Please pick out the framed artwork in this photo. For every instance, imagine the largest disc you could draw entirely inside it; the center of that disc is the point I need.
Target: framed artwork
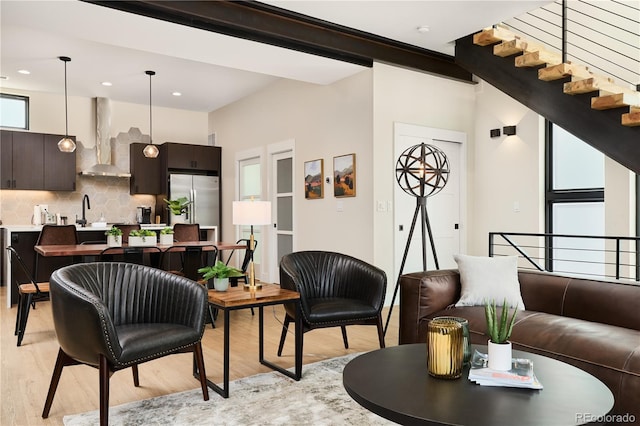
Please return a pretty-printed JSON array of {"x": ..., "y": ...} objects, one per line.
[
  {"x": 313, "y": 178},
  {"x": 344, "y": 175}
]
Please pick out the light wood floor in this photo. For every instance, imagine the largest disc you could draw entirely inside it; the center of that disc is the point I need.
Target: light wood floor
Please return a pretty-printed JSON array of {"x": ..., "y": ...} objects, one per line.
[{"x": 26, "y": 370}]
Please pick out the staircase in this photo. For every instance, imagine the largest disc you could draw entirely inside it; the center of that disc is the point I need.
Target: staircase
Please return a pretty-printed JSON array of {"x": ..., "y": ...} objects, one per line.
[{"x": 538, "y": 79}]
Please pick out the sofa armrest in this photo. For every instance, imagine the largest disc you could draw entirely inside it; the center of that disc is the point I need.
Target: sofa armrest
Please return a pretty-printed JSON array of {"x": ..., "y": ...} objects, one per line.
[{"x": 422, "y": 294}]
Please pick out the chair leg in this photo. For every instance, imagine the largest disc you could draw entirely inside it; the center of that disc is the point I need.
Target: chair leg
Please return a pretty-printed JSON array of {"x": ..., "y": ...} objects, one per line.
[
  {"x": 105, "y": 374},
  {"x": 283, "y": 336},
  {"x": 380, "y": 332},
  {"x": 19, "y": 313},
  {"x": 212, "y": 316},
  {"x": 197, "y": 350},
  {"x": 136, "y": 376},
  {"x": 24, "y": 314},
  {"x": 344, "y": 336},
  {"x": 62, "y": 361}
]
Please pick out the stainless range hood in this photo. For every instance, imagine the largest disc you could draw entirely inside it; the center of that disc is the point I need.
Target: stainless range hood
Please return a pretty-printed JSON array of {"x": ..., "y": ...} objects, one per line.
[{"x": 103, "y": 167}]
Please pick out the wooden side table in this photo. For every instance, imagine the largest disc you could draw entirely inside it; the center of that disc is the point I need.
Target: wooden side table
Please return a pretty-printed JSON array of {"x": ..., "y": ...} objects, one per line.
[{"x": 237, "y": 298}]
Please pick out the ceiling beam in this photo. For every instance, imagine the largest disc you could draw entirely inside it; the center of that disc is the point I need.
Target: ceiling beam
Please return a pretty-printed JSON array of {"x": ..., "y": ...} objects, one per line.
[{"x": 279, "y": 27}]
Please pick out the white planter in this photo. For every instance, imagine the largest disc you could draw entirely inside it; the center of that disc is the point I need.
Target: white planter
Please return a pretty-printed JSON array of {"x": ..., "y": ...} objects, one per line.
[
  {"x": 499, "y": 356},
  {"x": 114, "y": 240},
  {"x": 221, "y": 284},
  {"x": 166, "y": 239},
  {"x": 177, "y": 218},
  {"x": 142, "y": 241}
]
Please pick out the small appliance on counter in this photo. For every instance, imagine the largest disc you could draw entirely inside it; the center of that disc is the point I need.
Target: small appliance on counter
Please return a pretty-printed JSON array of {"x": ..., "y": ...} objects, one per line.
[
  {"x": 143, "y": 214},
  {"x": 41, "y": 215}
]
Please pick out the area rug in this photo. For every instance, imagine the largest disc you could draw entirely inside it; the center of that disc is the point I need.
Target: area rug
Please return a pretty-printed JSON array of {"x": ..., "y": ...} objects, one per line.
[{"x": 318, "y": 398}]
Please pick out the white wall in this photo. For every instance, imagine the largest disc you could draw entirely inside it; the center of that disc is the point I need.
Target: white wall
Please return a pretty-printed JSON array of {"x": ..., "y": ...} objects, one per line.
[
  {"x": 324, "y": 121},
  {"x": 406, "y": 96},
  {"x": 509, "y": 170}
]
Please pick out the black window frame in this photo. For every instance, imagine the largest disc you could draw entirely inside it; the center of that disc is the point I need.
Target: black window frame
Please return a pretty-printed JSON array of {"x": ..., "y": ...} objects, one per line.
[{"x": 557, "y": 196}]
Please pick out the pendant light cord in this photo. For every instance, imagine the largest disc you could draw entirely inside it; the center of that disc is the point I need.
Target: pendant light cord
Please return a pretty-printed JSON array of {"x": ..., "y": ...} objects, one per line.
[
  {"x": 150, "y": 115},
  {"x": 66, "y": 110}
]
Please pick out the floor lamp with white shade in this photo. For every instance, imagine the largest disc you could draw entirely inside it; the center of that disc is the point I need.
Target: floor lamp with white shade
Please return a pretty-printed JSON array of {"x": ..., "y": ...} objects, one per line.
[{"x": 252, "y": 213}]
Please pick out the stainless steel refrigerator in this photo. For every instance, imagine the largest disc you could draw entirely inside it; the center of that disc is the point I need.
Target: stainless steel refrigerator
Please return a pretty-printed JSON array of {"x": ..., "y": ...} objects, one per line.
[{"x": 204, "y": 194}]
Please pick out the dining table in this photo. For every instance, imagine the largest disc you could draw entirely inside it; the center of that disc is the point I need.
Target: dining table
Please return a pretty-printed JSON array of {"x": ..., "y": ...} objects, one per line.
[{"x": 96, "y": 249}]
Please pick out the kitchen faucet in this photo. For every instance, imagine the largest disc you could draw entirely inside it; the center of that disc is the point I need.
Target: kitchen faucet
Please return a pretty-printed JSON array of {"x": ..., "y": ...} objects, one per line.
[{"x": 83, "y": 221}]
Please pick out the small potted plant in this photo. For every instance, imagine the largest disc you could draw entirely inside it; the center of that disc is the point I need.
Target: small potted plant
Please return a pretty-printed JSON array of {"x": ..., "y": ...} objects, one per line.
[
  {"x": 114, "y": 237},
  {"x": 142, "y": 237},
  {"x": 220, "y": 274},
  {"x": 166, "y": 235},
  {"x": 178, "y": 208},
  {"x": 499, "y": 329}
]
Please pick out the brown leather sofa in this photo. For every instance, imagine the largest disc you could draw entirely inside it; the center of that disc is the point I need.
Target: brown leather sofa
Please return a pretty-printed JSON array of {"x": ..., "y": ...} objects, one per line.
[{"x": 591, "y": 324}]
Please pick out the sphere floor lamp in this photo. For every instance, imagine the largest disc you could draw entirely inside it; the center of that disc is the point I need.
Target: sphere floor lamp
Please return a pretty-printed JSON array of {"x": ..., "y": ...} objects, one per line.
[{"x": 421, "y": 171}]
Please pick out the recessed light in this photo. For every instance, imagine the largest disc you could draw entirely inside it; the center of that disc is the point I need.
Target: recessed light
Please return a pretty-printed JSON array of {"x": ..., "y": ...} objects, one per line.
[
  {"x": 423, "y": 29},
  {"x": 107, "y": 83},
  {"x": 177, "y": 94},
  {"x": 25, "y": 72}
]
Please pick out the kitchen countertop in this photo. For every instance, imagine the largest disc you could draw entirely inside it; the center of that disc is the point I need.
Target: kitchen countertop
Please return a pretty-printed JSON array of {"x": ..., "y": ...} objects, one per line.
[{"x": 38, "y": 228}]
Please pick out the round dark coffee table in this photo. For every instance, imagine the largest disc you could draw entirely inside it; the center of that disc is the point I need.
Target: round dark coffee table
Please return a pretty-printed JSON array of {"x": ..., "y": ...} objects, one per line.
[{"x": 395, "y": 384}]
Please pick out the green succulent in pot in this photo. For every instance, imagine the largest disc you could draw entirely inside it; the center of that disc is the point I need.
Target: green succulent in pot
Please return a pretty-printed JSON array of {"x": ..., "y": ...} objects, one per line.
[
  {"x": 178, "y": 206},
  {"x": 142, "y": 233},
  {"x": 499, "y": 328},
  {"x": 166, "y": 231},
  {"x": 114, "y": 231},
  {"x": 219, "y": 270}
]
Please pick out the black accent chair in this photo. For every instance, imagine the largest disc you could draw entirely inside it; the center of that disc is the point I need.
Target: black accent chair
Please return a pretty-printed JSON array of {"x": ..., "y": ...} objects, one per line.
[
  {"x": 233, "y": 281},
  {"x": 28, "y": 293},
  {"x": 112, "y": 316},
  {"x": 335, "y": 289}
]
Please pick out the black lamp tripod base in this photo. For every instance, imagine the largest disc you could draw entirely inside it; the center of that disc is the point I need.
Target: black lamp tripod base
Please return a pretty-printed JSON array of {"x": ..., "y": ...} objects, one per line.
[{"x": 421, "y": 207}]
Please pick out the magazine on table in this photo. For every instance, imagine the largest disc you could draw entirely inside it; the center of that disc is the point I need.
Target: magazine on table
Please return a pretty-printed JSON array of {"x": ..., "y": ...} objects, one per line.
[{"x": 520, "y": 376}]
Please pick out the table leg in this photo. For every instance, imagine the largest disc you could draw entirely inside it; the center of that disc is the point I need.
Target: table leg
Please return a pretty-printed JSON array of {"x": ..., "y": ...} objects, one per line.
[
  {"x": 224, "y": 390},
  {"x": 297, "y": 374}
]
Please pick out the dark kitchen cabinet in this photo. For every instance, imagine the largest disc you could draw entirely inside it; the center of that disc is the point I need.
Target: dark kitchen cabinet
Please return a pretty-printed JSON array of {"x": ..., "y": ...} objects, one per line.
[
  {"x": 59, "y": 167},
  {"x": 145, "y": 172},
  {"x": 22, "y": 160},
  {"x": 32, "y": 161},
  {"x": 179, "y": 156}
]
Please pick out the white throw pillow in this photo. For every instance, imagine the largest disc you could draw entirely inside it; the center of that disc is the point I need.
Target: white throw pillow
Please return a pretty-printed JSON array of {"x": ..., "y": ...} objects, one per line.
[{"x": 489, "y": 278}]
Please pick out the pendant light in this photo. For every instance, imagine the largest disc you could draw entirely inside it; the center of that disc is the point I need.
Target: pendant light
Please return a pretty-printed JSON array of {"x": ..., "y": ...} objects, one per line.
[
  {"x": 66, "y": 144},
  {"x": 150, "y": 151}
]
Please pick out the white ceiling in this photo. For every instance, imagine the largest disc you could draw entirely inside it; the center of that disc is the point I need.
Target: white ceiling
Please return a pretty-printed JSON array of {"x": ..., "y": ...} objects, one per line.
[{"x": 210, "y": 70}]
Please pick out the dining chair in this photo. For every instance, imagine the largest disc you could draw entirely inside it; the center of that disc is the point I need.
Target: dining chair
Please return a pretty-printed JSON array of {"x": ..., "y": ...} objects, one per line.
[
  {"x": 126, "y": 229},
  {"x": 113, "y": 316},
  {"x": 55, "y": 235},
  {"x": 28, "y": 293},
  {"x": 183, "y": 232},
  {"x": 336, "y": 290},
  {"x": 233, "y": 281},
  {"x": 137, "y": 255}
]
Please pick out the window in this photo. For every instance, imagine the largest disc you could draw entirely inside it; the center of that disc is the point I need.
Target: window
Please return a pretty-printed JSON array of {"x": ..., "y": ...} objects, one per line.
[
  {"x": 250, "y": 184},
  {"x": 575, "y": 203},
  {"x": 14, "y": 111}
]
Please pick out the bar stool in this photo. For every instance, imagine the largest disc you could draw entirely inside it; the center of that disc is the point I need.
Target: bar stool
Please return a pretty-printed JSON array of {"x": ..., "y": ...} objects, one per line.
[{"x": 55, "y": 235}]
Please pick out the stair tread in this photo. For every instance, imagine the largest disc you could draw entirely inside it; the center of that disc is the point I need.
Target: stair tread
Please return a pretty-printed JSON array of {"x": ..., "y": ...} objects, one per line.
[
  {"x": 537, "y": 58},
  {"x": 563, "y": 70},
  {"x": 617, "y": 100},
  {"x": 631, "y": 119},
  {"x": 492, "y": 35},
  {"x": 515, "y": 46}
]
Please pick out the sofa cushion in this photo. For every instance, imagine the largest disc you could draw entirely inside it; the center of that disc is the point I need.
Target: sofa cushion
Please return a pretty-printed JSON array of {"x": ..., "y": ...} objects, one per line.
[{"x": 484, "y": 279}]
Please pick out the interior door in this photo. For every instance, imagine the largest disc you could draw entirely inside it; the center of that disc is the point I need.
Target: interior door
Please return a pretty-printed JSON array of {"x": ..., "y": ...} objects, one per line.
[
  {"x": 443, "y": 208},
  {"x": 282, "y": 202}
]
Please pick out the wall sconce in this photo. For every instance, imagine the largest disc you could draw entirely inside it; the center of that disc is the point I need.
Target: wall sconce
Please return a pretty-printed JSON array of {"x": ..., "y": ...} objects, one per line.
[
  {"x": 494, "y": 133},
  {"x": 509, "y": 130}
]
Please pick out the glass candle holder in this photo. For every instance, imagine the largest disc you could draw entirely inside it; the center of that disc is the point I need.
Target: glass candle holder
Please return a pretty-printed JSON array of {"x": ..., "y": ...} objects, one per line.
[
  {"x": 445, "y": 348},
  {"x": 465, "y": 332}
]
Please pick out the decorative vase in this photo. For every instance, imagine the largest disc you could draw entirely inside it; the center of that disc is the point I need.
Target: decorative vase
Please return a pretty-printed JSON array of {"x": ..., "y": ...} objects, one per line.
[
  {"x": 221, "y": 284},
  {"x": 445, "y": 348},
  {"x": 465, "y": 333},
  {"x": 499, "y": 356},
  {"x": 166, "y": 239},
  {"x": 114, "y": 240},
  {"x": 177, "y": 218},
  {"x": 146, "y": 241}
]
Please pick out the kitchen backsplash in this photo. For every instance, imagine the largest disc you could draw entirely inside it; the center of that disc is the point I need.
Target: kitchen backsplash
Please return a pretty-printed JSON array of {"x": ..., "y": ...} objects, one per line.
[{"x": 108, "y": 195}]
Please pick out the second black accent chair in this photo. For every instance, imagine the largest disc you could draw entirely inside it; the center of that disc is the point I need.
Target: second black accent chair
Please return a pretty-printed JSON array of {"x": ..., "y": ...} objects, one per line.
[{"x": 336, "y": 290}]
